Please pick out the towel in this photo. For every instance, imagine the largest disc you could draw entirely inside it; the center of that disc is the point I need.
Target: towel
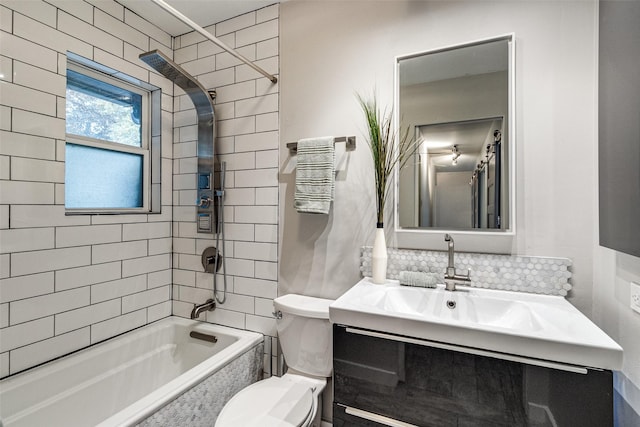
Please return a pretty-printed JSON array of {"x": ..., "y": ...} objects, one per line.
[{"x": 315, "y": 175}]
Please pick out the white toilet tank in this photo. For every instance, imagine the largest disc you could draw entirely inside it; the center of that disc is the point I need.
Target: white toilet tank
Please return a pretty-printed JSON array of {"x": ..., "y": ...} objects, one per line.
[{"x": 305, "y": 334}]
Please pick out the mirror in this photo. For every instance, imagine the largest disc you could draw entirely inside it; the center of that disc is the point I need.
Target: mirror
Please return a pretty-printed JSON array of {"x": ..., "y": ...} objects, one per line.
[{"x": 457, "y": 102}]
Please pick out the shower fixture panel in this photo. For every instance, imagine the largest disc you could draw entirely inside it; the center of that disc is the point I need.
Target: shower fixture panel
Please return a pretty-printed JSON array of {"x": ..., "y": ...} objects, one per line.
[
  {"x": 209, "y": 179},
  {"x": 203, "y": 102}
]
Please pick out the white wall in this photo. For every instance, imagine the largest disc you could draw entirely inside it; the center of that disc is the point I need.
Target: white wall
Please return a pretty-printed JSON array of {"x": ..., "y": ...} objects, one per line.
[
  {"x": 247, "y": 120},
  {"x": 452, "y": 200},
  {"x": 613, "y": 272},
  {"x": 70, "y": 281},
  {"x": 330, "y": 50}
]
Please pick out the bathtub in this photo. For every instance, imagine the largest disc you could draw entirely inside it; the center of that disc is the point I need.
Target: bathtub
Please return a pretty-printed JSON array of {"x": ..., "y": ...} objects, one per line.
[{"x": 155, "y": 375}]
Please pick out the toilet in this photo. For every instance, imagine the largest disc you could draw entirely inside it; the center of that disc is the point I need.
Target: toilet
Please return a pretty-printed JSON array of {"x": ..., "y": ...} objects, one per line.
[{"x": 295, "y": 399}]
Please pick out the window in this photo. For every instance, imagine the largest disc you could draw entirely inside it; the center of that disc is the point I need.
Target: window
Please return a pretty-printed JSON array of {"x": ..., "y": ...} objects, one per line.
[{"x": 109, "y": 145}]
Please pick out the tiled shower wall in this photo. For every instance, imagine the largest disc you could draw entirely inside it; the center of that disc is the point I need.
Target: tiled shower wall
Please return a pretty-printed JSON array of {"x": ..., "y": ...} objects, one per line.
[
  {"x": 70, "y": 281},
  {"x": 67, "y": 282},
  {"x": 246, "y": 109}
]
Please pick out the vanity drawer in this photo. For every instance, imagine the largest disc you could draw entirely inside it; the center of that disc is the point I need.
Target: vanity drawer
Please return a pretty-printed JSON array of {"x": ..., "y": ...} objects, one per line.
[{"x": 427, "y": 386}]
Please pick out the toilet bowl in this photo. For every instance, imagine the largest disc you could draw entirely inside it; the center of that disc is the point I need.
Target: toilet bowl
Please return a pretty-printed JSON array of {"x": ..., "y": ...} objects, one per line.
[
  {"x": 291, "y": 401},
  {"x": 295, "y": 399}
]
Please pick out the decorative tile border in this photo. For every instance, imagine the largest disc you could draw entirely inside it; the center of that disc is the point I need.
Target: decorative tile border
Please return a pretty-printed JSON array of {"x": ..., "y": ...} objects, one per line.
[
  {"x": 200, "y": 405},
  {"x": 539, "y": 275}
]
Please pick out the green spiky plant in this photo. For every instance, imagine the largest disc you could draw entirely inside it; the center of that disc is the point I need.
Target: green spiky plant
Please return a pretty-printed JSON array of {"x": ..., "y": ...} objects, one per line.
[{"x": 389, "y": 148}]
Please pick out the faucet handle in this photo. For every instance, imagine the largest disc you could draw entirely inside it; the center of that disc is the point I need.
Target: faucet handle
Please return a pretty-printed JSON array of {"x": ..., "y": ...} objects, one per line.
[
  {"x": 204, "y": 202},
  {"x": 467, "y": 274}
]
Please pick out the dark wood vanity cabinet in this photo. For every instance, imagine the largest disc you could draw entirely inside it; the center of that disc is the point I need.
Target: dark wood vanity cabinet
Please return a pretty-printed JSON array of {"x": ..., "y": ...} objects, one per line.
[{"x": 380, "y": 379}]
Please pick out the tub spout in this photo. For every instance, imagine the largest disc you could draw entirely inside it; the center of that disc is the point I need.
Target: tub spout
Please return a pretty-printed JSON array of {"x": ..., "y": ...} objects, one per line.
[{"x": 209, "y": 305}]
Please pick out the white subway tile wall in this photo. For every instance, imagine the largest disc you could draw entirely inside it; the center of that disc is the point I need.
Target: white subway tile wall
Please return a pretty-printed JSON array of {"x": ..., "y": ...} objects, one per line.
[
  {"x": 67, "y": 282},
  {"x": 246, "y": 109},
  {"x": 71, "y": 281}
]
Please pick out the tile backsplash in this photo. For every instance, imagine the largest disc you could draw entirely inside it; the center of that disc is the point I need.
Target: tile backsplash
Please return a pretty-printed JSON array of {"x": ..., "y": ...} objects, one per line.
[{"x": 540, "y": 275}]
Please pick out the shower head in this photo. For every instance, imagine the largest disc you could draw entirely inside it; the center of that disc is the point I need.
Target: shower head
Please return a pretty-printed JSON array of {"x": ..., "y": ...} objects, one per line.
[
  {"x": 172, "y": 71},
  {"x": 165, "y": 66}
]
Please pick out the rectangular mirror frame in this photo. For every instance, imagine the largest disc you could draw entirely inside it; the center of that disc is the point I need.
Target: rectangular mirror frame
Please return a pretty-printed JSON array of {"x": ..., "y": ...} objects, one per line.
[{"x": 466, "y": 240}]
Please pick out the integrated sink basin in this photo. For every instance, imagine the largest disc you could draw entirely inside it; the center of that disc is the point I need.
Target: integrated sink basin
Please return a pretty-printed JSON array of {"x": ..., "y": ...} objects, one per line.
[
  {"x": 465, "y": 307},
  {"x": 538, "y": 327}
]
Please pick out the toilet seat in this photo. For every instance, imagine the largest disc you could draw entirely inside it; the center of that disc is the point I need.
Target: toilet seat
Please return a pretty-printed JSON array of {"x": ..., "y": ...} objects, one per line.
[{"x": 274, "y": 402}]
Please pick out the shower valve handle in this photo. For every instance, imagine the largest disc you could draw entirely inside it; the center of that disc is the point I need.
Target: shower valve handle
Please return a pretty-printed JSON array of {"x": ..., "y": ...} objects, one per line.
[{"x": 204, "y": 202}]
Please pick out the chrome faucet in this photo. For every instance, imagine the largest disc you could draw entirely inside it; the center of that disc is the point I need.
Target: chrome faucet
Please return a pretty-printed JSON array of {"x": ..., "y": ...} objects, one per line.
[
  {"x": 209, "y": 305},
  {"x": 451, "y": 278}
]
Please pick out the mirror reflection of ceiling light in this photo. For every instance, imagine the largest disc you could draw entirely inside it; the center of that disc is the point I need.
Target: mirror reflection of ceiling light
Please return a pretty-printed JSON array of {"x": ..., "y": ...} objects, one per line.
[
  {"x": 455, "y": 153},
  {"x": 436, "y": 144}
]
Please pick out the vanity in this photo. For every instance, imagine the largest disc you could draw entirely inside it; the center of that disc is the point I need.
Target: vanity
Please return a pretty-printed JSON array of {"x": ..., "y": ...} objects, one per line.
[{"x": 472, "y": 357}]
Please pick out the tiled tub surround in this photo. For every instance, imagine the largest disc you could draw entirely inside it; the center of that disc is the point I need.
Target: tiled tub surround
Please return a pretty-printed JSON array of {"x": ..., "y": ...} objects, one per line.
[
  {"x": 247, "y": 117},
  {"x": 156, "y": 375},
  {"x": 538, "y": 275},
  {"x": 67, "y": 282},
  {"x": 201, "y": 405}
]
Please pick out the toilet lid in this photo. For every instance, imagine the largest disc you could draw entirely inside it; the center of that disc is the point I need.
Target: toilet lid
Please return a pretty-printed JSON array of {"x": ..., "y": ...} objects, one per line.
[{"x": 273, "y": 402}]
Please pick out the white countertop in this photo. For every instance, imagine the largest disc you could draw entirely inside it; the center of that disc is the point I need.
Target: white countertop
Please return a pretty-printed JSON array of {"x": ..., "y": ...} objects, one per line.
[{"x": 532, "y": 326}]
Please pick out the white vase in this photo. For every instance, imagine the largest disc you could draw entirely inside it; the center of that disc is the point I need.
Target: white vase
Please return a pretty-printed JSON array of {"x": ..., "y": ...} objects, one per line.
[{"x": 379, "y": 257}]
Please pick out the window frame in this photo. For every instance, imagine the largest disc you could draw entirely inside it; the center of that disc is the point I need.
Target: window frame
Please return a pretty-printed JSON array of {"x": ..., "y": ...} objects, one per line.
[{"x": 145, "y": 141}]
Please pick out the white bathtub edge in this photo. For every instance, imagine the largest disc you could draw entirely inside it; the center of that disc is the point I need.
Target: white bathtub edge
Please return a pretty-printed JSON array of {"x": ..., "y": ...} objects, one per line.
[{"x": 141, "y": 409}]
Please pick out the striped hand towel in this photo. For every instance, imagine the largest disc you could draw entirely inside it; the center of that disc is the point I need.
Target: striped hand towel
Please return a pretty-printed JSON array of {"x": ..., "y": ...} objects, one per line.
[{"x": 315, "y": 175}]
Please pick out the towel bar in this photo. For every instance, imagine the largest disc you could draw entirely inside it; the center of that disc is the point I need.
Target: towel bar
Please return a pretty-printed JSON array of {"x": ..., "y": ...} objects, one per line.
[{"x": 350, "y": 140}]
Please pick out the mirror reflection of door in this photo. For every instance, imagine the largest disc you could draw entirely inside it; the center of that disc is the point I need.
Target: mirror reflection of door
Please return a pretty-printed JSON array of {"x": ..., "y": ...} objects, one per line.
[
  {"x": 458, "y": 174},
  {"x": 494, "y": 196},
  {"x": 475, "y": 202},
  {"x": 479, "y": 198}
]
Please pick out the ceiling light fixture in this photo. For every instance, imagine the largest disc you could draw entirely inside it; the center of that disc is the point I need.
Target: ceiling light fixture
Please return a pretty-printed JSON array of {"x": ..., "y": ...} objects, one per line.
[{"x": 455, "y": 153}]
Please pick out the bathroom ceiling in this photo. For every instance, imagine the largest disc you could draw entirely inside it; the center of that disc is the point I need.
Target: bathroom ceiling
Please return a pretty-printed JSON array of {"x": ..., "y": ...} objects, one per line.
[{"x": 202, "y": 12}]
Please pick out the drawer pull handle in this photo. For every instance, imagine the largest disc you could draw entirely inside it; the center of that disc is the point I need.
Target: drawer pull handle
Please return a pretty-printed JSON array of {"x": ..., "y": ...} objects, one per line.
[{"x": 380, "y": 419}]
